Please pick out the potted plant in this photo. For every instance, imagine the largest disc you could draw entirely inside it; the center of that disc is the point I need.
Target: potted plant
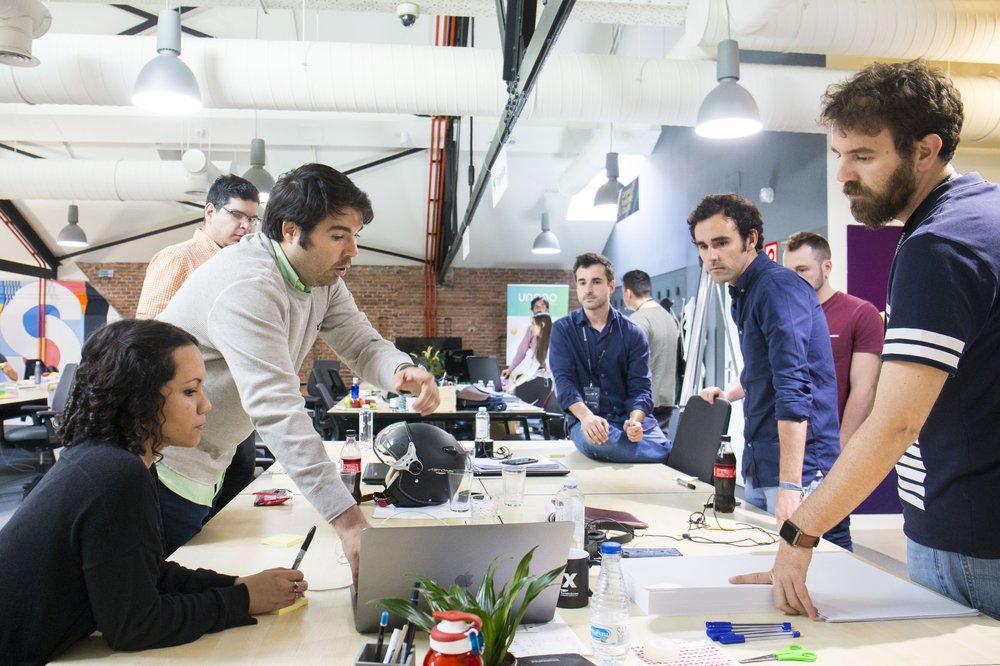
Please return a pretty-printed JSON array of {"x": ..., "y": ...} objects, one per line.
[
  {"x": 431, "y": 359},
  {"x": 496, "y": 608}
]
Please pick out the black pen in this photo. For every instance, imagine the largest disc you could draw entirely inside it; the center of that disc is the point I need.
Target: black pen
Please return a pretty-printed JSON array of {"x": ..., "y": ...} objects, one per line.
[
  {"x": 382, "y": 624},
  {"x": 684, "y": 482},
  {"x": 304, "y": 548},
  {"x": 408, "y": 643}
]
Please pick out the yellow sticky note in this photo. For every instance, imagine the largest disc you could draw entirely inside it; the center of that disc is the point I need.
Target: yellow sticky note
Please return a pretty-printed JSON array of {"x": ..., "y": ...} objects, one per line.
[
  {"x": 280, "y": 476},
  {"x": 283, "y": 540},
  {"x": 556, "y": 455},
  {"x": 299, "y": 603}
]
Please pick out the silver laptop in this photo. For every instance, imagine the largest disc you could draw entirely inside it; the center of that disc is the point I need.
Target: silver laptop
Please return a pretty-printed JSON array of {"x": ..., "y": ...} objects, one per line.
[{"x": 392, "y": 557}]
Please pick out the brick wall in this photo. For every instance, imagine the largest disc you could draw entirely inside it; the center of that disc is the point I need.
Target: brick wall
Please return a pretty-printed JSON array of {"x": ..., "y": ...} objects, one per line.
[{"x": 471, "y": 305}]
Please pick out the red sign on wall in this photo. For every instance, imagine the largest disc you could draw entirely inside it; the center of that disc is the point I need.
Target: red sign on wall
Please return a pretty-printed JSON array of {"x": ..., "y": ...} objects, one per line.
[{"x": 771, "y": 250}]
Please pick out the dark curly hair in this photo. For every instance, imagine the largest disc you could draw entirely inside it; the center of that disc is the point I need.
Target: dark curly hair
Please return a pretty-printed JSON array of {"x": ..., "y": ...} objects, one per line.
[
  {"x": 116, "y": 393},
  {"x": 743, "y": 213},
  {"x": 308, "y": 195},
  {"x": 909, "y": 99}
]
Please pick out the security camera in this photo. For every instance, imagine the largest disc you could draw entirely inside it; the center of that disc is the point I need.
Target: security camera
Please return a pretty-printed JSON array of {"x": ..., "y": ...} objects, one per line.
[{"x": 407, "y": 13}]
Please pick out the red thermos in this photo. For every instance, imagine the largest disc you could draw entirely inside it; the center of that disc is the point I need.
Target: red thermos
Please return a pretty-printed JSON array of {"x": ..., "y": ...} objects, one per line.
[{"x": 456, "y": 640}]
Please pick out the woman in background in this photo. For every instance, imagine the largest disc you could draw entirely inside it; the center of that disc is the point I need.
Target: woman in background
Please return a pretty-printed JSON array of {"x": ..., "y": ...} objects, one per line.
[
  {"x": 84, "y": 551},
  {"x": 536, "y": 364}
]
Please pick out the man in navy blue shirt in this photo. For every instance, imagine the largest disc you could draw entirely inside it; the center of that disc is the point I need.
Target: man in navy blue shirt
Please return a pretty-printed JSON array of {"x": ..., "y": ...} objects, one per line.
[
  {"x": 600, "y": 361},
  {"x": 789, "y": 385},
  {"x": 895, "y": 129}
]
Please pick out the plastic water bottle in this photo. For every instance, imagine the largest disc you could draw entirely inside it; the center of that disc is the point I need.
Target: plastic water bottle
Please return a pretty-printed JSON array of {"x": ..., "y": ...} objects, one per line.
[
  {"x": 366, "y": 427},
  {"x": 355, "y": 389},
  {"x": 482, "y": 425},
  {"x": 570, "y": 508},
  {"x": 491, "y": 387},
  {"x": 609, "y": 618}
]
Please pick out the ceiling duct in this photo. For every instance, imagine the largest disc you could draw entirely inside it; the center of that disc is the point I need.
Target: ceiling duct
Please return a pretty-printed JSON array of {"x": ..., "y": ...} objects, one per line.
[{"x": 21, "y": 21}]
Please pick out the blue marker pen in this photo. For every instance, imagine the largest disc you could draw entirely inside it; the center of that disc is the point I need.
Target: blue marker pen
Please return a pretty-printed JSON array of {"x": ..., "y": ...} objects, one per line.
[{"x": 382, "y": 624}]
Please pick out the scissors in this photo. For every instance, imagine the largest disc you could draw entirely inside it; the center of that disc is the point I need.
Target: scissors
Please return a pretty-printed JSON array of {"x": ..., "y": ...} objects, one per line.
[{"x": 790, "y": 653}]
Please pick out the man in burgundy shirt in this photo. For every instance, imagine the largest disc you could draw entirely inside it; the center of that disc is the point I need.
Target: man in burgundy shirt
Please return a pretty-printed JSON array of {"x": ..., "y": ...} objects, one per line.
[{"x": 856, "y": 329}]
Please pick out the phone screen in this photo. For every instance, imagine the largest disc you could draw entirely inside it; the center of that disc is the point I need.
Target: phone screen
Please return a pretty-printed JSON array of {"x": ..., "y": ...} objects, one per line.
[{"x": 518, "y": 461}]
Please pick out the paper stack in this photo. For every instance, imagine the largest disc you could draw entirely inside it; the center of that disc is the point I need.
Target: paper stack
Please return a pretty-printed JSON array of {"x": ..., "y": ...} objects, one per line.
[
  {"x": 494, "y": 466},
  {"x": 843, "y": 587}
]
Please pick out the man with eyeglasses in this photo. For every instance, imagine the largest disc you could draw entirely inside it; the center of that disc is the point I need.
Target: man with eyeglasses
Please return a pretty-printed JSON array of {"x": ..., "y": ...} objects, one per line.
[{"x": 231, "y": 212}]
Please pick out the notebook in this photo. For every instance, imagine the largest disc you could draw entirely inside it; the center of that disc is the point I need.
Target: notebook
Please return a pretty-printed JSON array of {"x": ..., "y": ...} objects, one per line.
[{"x": 391, "y": 558}]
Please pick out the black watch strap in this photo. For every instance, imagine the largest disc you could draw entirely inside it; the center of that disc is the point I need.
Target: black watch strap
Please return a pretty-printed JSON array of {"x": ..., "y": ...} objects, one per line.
[{"x": 791, "y": 533}]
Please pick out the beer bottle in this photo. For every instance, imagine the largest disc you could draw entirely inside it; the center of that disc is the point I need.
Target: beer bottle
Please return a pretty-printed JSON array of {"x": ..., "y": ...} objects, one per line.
[{"x": 724, "y": 473}]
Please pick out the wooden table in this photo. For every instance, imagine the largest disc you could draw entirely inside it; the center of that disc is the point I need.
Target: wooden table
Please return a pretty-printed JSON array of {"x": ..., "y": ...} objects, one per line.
[
  {"x": 27, "y": 394},
  {"x": 323, "y": 633}
]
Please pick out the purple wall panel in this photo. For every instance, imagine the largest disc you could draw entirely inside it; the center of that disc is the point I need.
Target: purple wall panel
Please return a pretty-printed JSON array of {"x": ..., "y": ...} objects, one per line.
[{"x": 869, "y": 255}]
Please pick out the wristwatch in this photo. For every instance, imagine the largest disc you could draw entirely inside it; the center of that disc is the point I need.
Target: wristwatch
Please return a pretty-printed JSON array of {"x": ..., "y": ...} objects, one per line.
[{"x": 791, "y": 533}]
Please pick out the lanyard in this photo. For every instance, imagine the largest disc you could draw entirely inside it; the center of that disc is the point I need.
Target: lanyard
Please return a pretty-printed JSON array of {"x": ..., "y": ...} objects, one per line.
[{"x": 586, "y": 345}]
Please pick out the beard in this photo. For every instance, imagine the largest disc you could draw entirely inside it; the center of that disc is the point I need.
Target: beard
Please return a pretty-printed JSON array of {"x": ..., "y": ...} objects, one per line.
[{"x": 879, "y": 208}]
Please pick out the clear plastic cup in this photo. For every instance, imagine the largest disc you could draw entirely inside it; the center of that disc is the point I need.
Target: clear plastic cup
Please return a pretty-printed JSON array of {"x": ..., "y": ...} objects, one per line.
[{"x": 513, "y": 484}]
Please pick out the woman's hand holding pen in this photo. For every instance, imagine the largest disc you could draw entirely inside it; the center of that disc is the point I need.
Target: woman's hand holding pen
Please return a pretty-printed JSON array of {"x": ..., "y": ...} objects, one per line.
[{"x": 273, "y": 589}]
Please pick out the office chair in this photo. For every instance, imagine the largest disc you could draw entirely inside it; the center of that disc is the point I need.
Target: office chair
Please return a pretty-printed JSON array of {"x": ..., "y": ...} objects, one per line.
[
  {"x": 699, "y": 431},
  {"x": 40, "y": 436},
  {"x": 326, "y": 424},
  {"x": 537, "y": 392},
  {"x": 319, "y": 373}
]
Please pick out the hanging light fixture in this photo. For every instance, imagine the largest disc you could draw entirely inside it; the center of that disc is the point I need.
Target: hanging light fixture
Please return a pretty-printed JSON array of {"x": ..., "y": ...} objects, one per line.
[
  {"x": 72, "y": 235},
  {"x": 729, "y": 110},
  {"x": 607, "y": 194},
  {"x": 546, "y": 242},
  {"x": 257, "y": 174},
  {"x": 165, "y": 84}
]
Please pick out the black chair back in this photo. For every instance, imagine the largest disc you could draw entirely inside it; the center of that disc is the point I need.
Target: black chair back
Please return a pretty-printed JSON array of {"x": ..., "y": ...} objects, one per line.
[
  {"x": 320, "y": 372},
  {"x": 699, "y": 432},
  {"x": 537, "y": 391}
]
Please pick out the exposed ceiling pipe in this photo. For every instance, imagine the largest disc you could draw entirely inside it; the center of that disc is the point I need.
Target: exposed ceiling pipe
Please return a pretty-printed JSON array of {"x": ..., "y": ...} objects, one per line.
[
  {"x": 94, "y": 180},
  {"x": 382, "y": 78},
  {"x": 955, "y": 30},
  {"x": 20, "y": 22},
  {"x": 649, "y": 12}
]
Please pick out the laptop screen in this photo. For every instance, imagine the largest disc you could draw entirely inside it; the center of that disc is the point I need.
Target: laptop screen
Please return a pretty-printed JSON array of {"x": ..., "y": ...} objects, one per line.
[
  {"x": 484, "y": 369},
  {"x": 392, "y": 557}
]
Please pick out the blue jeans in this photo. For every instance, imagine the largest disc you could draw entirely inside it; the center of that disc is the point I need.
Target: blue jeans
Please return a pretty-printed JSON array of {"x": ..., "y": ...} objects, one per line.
[
  {"x": 971, "y": 581},
  {"x": 654, "y": 447},
  {"x": 766, "y": 498},
  {"x": 180, "y": 519}
]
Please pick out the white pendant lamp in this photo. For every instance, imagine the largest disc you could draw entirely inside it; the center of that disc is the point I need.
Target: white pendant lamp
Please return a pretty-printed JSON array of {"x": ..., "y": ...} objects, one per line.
[
  {"x": 546, "y": 242},
  {"x": 165, "y": 84},
  {"x": 72, "y": 234},
  {"x": 607, "y": 194},
  {"x": 729, "y": 111},
  {"x": 257, "y": 174}
]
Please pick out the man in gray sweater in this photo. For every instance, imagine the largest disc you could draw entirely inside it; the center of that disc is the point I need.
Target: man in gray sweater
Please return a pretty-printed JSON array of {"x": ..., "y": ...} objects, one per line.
[
  {"x": 256, "y": 309},
  {"x": 662, "y": 333}
]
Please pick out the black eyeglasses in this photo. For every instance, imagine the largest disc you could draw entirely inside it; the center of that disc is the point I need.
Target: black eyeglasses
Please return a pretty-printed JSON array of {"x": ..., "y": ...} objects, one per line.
[{"x": 242, "y": 218}]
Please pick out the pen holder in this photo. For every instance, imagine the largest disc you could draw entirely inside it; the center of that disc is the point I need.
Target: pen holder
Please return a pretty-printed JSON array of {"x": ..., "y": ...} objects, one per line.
[{"x": 368, "y": 656}]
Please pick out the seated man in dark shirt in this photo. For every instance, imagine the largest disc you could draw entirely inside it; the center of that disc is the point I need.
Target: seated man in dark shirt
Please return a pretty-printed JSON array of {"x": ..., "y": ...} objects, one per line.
[{"x": 600, "y": 361}]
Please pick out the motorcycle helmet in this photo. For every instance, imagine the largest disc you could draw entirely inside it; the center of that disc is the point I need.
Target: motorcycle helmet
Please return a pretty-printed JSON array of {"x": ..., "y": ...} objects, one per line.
[{"x": 419, "y": 457}]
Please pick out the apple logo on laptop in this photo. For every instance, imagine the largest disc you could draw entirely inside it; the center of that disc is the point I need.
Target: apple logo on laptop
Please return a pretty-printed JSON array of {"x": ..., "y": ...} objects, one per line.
[{"x": 464, "y": 581}]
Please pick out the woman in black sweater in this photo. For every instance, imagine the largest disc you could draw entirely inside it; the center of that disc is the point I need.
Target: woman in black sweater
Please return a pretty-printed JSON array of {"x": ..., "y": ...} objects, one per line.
[{"x": 84, "y": 551}]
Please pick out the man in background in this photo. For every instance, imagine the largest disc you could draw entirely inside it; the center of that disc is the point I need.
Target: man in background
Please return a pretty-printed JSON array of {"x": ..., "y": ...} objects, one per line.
[
  {"x": 600, "y": 361},
  {"x": 231, "y": 212},
  {"x": 791, "y": 435},
  {"x": 538, "y": 306},
  {"x": 254, "y": 346},
  {"x": 661, "y": 332},
  {"x": 855, "y": 330}
]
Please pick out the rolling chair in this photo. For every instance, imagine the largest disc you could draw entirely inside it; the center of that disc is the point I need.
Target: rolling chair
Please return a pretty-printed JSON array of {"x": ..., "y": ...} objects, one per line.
[
  {"x": 539, "y": 392},
  {"x": 699, "y": 431},
  {"x": 325, "y": 424},
  {"x": 40, "y": 436}
]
